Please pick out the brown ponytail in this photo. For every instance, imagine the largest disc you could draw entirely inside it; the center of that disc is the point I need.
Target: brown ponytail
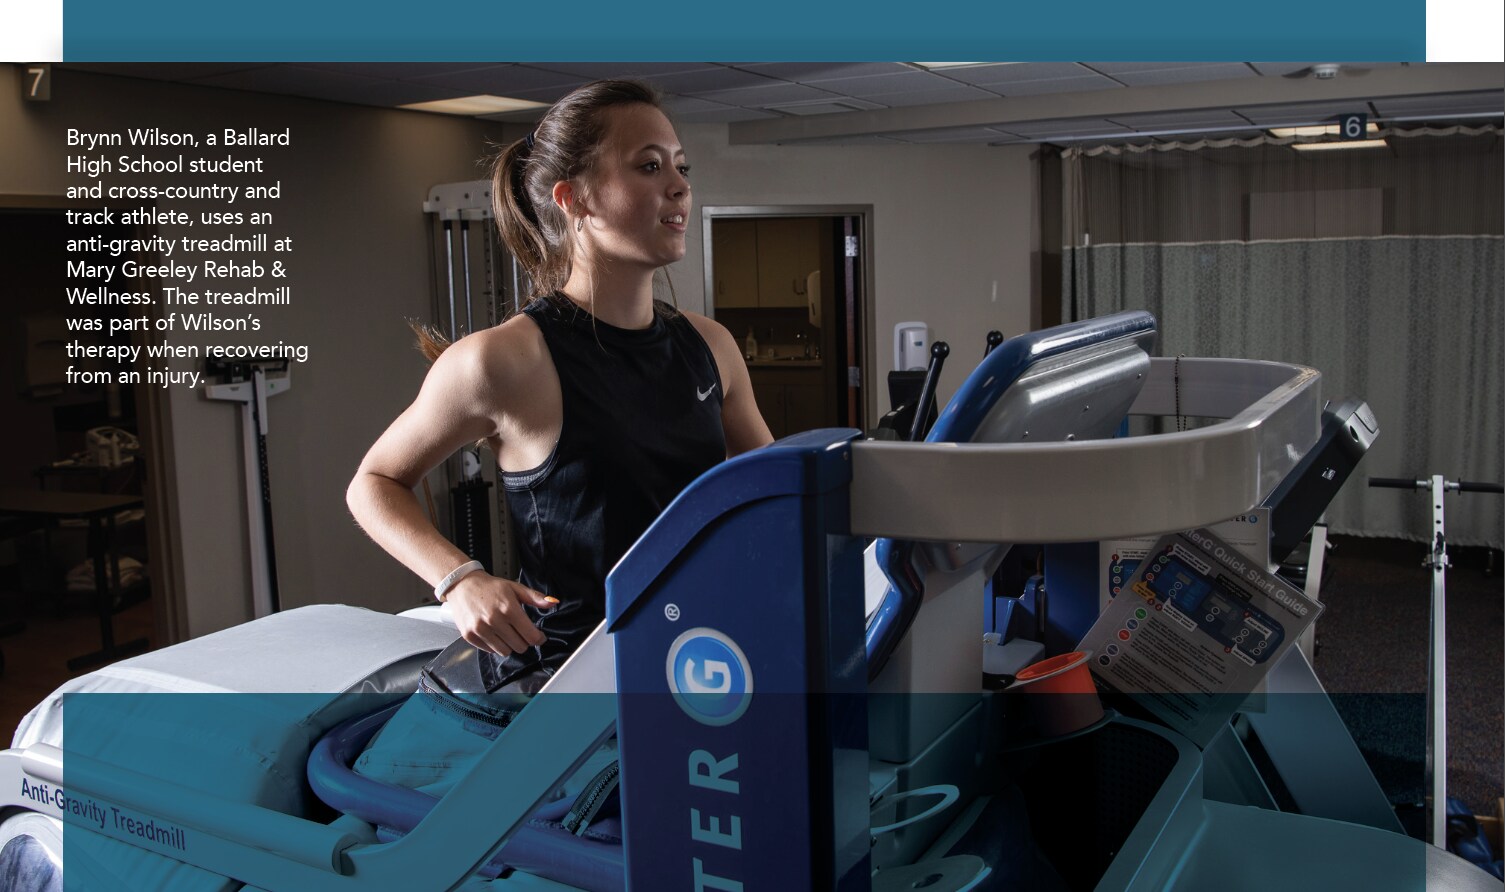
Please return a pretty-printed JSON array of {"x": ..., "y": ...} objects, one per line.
[{"x": 431, "y": 341}]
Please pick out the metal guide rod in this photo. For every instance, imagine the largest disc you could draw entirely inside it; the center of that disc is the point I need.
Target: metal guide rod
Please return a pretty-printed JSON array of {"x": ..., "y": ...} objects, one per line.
[
  {"x": 252, "y": 396},
  {"x": 252, "y": 443},
  {"x": 1437, "y": 561},
  {"x": 1437, "y": 716},
  {"x": 470, "y": 324},
  {"x": 1101, "y": 489},
  {"x": 488, "y": 258},
  {"x": 258, "y": 406},
  {"x": 464, "y": 202},
  {"x": 470, "y": 462},
  {"x": 517, "y": 289},
  {"x": 449, "y": 270}
]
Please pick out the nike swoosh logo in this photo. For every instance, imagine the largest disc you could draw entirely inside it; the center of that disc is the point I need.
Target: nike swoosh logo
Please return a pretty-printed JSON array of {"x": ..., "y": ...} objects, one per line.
[{"x": 702, "y": 396}]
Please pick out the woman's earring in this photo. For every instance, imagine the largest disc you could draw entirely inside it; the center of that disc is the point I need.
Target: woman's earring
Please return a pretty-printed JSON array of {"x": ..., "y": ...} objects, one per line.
[{"x": 579, "y": 224}]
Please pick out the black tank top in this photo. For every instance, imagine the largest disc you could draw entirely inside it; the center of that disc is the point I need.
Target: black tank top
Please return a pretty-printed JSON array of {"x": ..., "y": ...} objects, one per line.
[{"x": 641, "y": 420}]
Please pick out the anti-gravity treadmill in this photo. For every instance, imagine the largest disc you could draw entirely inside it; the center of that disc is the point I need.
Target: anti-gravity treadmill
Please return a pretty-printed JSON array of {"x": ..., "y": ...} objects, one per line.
[{"x": 733, "y": 671}]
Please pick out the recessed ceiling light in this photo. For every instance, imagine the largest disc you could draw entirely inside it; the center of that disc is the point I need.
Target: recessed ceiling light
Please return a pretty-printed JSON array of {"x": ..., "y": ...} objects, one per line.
[
  {"x": 1345, "y": 144},
  {"x": 474, "y": 105},
  {"x": 1316, "y": 130}
]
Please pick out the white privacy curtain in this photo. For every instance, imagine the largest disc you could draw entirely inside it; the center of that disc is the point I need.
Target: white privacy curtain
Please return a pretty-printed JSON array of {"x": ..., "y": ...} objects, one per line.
[{"x": 1376, "y": 293}]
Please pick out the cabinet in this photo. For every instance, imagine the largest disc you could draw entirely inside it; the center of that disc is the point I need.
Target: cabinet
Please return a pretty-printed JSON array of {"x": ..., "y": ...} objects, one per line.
[
  {"x": 788, "y": 251},
  {"x": 734, "y": 253},
  {"x": 791, "y": 399},
  {"x": 763, "y": 263}
]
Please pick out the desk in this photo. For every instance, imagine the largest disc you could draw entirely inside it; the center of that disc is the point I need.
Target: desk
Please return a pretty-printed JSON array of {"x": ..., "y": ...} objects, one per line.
[
  {"x": 99, "y": 511},
  {"x": 74, "y": 476}
]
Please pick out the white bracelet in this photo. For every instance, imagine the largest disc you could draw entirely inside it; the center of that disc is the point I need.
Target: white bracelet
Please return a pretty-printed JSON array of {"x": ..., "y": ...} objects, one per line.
[{"x": 455, "y": 576}]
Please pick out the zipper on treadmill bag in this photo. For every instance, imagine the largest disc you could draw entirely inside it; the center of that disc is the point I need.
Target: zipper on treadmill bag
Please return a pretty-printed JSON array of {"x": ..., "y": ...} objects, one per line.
[
  {"x": 590, "y": 801},
  {"x": 460, "y": 707}
]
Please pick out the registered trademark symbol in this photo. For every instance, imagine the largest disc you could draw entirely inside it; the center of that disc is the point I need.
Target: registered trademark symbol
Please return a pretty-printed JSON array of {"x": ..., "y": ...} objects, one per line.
[{"x": 671, "y": 612}]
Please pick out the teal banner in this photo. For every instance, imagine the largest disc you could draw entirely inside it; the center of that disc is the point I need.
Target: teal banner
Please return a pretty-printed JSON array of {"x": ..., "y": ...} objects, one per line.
[{"x": 777, "y": 30}]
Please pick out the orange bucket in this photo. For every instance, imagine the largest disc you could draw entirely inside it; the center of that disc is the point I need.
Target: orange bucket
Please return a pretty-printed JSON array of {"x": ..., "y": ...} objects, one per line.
[{"x": 1075, "y": 705}]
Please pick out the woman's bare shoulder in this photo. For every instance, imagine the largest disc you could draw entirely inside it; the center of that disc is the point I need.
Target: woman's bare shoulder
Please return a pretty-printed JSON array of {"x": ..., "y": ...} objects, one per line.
[
  {"x": 714, "y": 332},
  {"x": 495, "y": 361},
  {"x": 509, "y": 347}
]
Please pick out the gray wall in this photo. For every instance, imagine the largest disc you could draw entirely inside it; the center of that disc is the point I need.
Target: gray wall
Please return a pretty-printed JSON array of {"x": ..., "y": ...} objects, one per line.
[{"x": 353, "y": 182}]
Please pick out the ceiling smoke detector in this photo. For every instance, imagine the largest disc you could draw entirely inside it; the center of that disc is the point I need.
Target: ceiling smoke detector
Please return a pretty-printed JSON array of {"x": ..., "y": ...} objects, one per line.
[{"x": 1325, "y": 71}]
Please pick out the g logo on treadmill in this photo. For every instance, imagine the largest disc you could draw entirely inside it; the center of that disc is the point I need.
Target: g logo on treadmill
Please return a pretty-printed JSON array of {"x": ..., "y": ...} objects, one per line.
[{"x": 709, "y": 676}]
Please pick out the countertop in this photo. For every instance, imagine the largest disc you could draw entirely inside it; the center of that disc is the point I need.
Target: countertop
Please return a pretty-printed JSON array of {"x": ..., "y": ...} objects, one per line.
[{"x": 784, "y": 363}]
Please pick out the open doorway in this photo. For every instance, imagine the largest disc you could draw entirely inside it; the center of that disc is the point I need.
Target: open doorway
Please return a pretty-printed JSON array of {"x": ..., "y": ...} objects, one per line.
[
  {"x": 82, "y": 576},
  {"x": 790, "y": 283}
]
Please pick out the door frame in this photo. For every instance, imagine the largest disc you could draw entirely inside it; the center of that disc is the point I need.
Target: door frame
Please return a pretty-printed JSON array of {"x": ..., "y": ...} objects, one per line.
[{"x": 867, "y": 338}]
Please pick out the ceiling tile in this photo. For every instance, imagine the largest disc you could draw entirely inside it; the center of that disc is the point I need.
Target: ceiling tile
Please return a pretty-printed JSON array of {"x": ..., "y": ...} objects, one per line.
[
  {"x": 334, "y": 86},
  {"x": 1086, "y": 84},
  {"x": 729, "y": 116},
  {"x": 774, "y": 93},
  {"x": 1117, "y": 68},
  {"x": 502, "y": 80},
  {"x": 790, "y": 88},
  {"x": 548, "y": 95},
  {"x": 288, "y": 80},
  {"x": 1071, "y": 127},
  {"x": 953, "y": 93},
  {"x": 677, "y": 105},
  {"x": 897, "y": 82},
  {"x": 521, "y": 116},
  {"x": 834, "y": 105},
  {"x": 391, "y": 94},
  {"x": 634, "y": 70},
  {"x": 1298, "y": 70},
  {"x": 1197, "y": 75},
  {"x": 165, "y": 71},
  {"x": 1013, "y": 72},
  {"x": 709, "y": 80},
  {"x": 1280, "y": 69},
  {"x": 815, "y": 72},
  {"x": 397, "y": 70}
]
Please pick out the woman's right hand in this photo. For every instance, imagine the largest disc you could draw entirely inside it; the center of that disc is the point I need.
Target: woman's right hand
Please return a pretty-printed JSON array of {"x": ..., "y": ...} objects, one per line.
[{"x": 489, "y": 613}]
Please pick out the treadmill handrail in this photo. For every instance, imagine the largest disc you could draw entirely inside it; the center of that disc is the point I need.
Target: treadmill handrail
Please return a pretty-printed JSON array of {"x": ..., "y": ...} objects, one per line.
[{"x": 1101, "y": 489}]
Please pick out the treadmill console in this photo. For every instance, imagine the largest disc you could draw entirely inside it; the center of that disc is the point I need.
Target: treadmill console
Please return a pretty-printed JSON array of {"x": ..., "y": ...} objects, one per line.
[{"x": 1348, "y": 430}]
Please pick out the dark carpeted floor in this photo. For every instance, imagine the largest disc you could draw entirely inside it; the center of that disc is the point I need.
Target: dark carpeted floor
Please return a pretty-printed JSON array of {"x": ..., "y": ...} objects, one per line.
[{"x": 1372, "y": 657}]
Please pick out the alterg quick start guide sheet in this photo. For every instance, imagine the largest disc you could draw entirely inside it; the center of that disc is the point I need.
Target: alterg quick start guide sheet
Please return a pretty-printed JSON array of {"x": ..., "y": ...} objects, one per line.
[{"x": 1194, "y": 631}]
